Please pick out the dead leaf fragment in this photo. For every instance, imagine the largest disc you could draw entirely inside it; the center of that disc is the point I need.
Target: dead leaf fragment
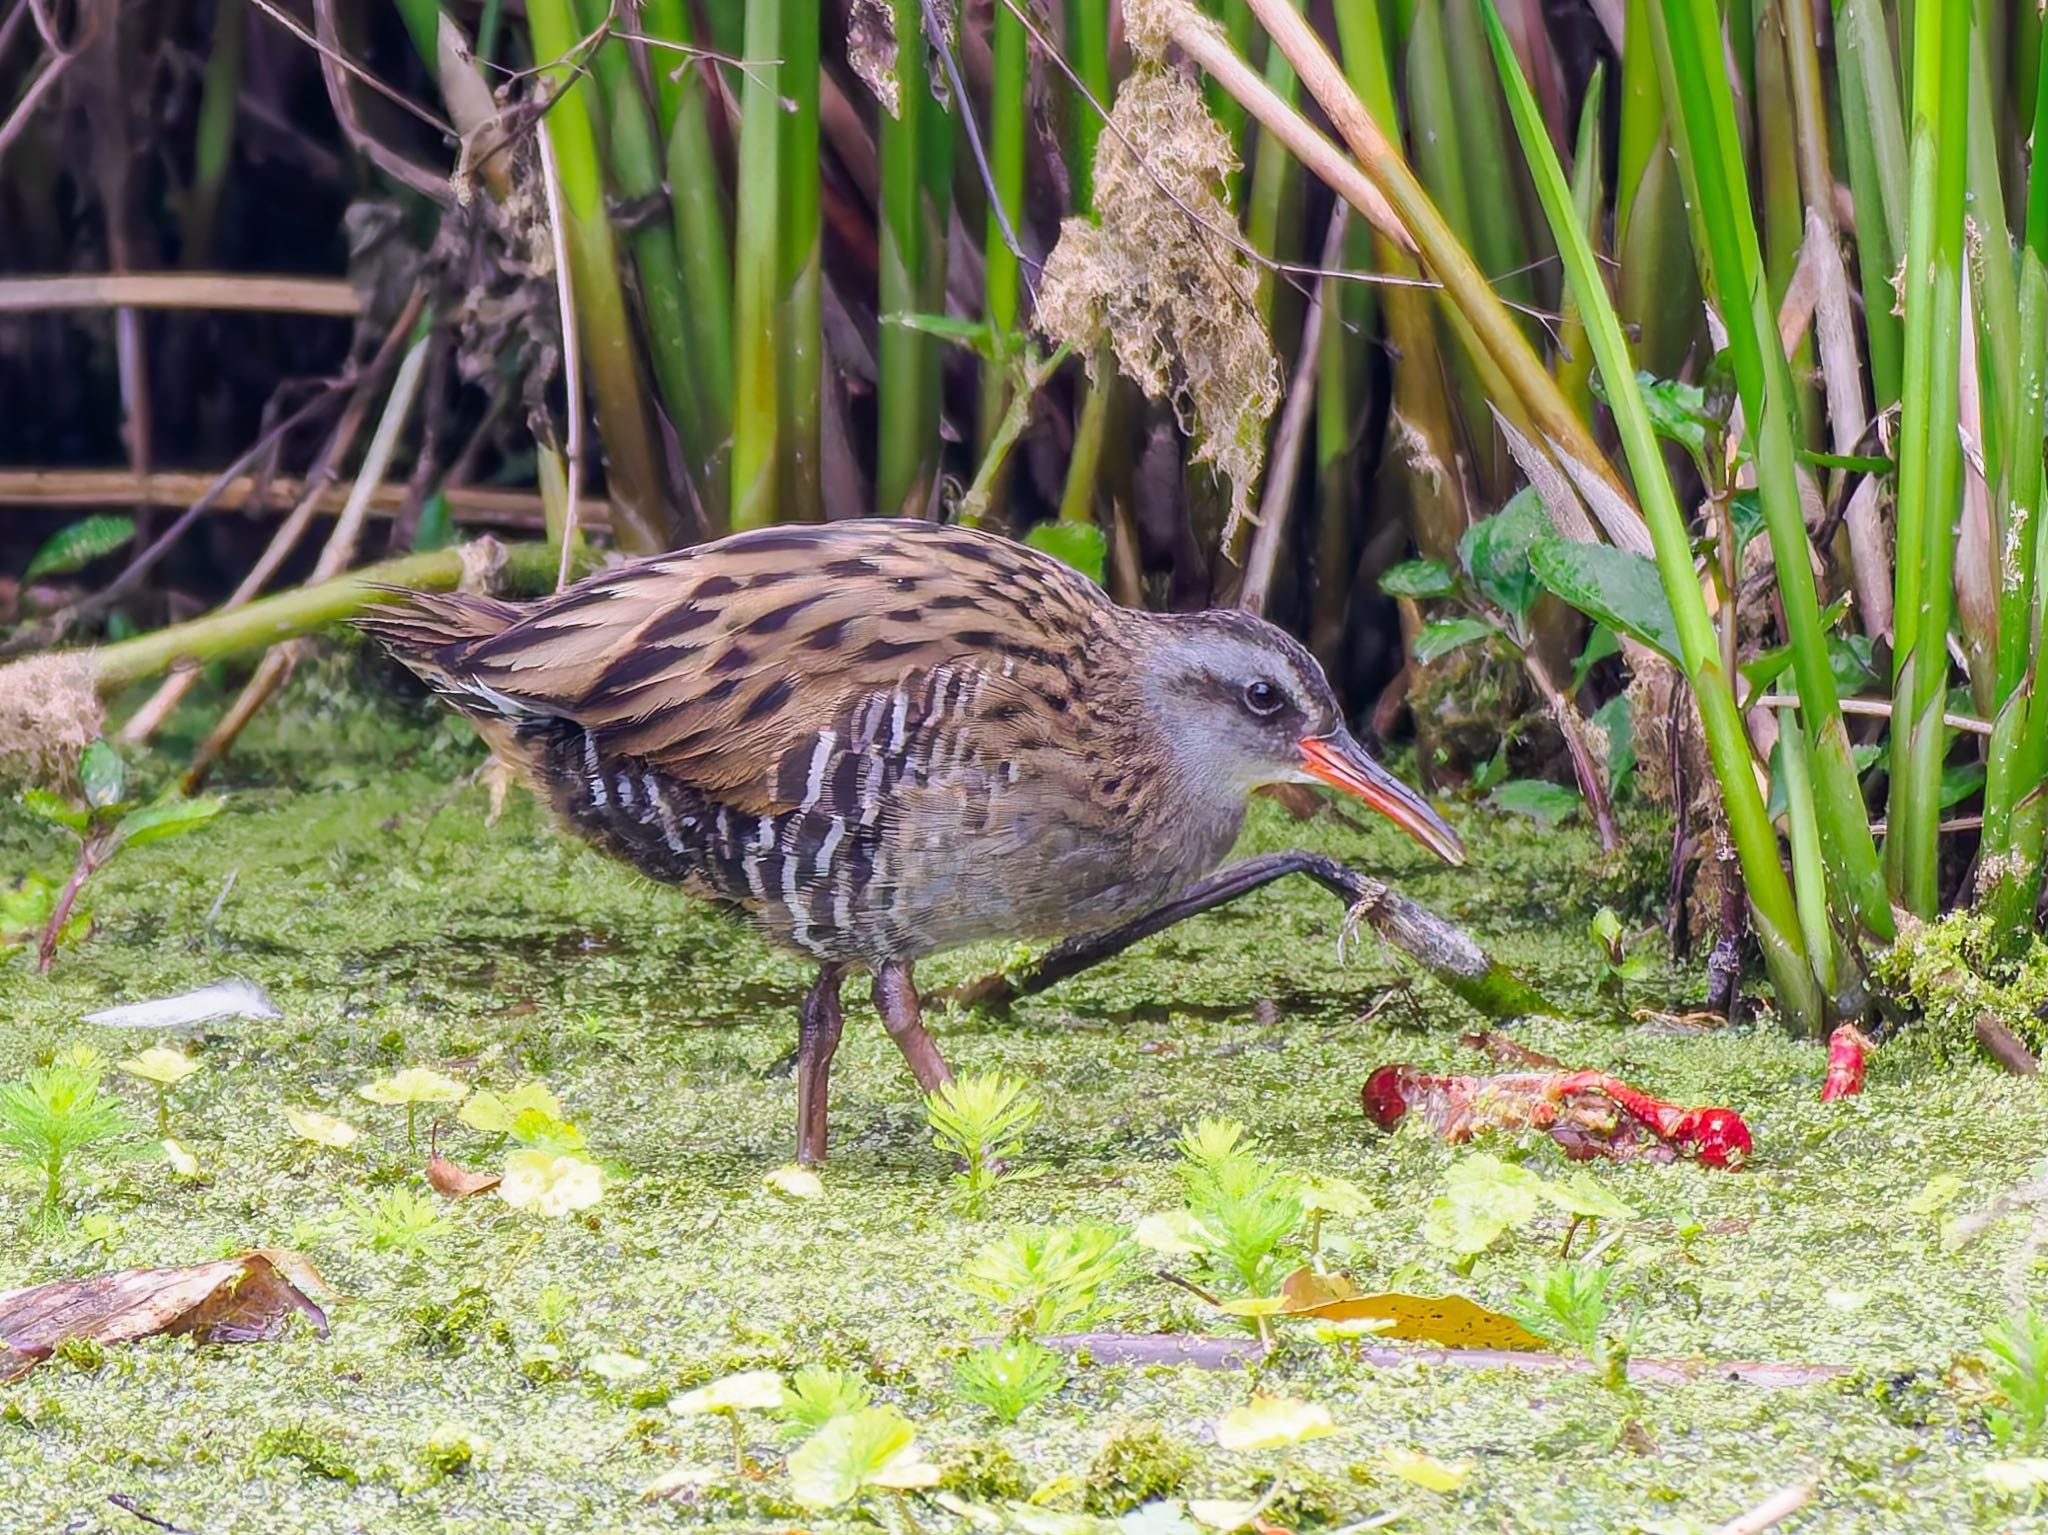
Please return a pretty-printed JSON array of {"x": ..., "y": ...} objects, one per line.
[
  {"x": 452, "y": 1182},
  {"x": 245, "y": 1299}
]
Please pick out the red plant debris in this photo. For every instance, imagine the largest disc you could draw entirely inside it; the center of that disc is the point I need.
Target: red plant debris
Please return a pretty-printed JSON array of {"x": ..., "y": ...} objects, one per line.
[
  {"x": 1588, "y": 1113},
  {"x": 1846, "y": 1049}
]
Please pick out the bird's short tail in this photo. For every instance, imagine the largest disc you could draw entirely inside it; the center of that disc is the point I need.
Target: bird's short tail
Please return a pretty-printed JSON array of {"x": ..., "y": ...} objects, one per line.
[{"x": 431, "y": 633}]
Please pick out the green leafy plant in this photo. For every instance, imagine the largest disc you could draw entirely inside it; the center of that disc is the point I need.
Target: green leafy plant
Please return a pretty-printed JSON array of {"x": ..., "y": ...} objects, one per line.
[
  {"x": 400, "y": 1221},
  {"x": 1618, "y": 967},
  {"x": 1245, "y": 1214},
  {"x": 78, "y": 544},
  {"x": 875, "y": 1448},
  {"x": 1485, "y": 1198},
  {"x": 1045, "y": 1279},
  {"x": 982, "y": 1120},
  {"x": 2016, "y": 1353},
  {"x": 106, "y": 823},
  {"x": 1570, "y": 1304},
  {"x": 1009, "y": 1378},
  {"x": 51, "y": 1115},
  {"x": 816, "y": 1394},
  {"x": 163, "y": 1069},
  {"x": 412, "y": 1087},
  {"x": 1492, "y": 596},
  {"x": 728, "y": 1397}
]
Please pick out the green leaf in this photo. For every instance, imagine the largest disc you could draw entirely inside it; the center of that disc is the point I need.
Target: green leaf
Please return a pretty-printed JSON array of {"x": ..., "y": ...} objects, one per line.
[
  {"x": 1852, "y": 658},
  {"x": 1581, "y": 1194},
  {"x": 1541, "y": 801},
  {"x": 1496, "y": 549},
  {"x": 436, "y": 528},
  {"x": 103, "y": 775},
  {"x": 1079, "y": 544},
  {"x": 1618, "y": 718},
  {"x": 1417, "y": 578},
  {"x": 976, "y": 336},
  {"x": 1600, "y": 644},
  {"x": 1484, "y": 1198},
  {"x": 1440, "y": 639},
  {"x": 166, "y": 818},
  {"x": 874, "y": 1447},
  {"x": 1746, "y": 514},
  {"x": 1620, "y": 589},
  {"x": 1960, "y": 780},
  {"x": 77, "y": 546},
  {"x": 54, "y": 807}
]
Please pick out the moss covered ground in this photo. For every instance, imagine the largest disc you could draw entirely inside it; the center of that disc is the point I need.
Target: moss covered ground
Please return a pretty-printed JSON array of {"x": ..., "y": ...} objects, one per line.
[{"x": 354, "y": 878}]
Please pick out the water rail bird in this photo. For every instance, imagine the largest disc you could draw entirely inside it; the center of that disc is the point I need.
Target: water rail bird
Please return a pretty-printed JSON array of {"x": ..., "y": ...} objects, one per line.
[{"x": 876, "y": 740}]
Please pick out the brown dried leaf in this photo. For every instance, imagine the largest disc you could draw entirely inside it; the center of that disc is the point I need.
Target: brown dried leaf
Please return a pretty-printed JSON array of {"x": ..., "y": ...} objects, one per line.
[
  {"x": 246, "y": 1299},
  {"x": 1451, "y": 1320},
  {"x": 455, "y": 1182}
]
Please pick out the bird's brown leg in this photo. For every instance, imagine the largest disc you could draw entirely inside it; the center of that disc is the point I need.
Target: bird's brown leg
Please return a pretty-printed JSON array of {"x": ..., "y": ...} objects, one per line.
[
  {"x": 903, "y": 1016},
  {"x": 818, "y": 1025}
]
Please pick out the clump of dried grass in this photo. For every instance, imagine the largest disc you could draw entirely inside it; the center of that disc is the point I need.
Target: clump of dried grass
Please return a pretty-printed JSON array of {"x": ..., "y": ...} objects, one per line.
[
  {"x": 1162, "y": 280},
  {"x": 49, "y": 713}
]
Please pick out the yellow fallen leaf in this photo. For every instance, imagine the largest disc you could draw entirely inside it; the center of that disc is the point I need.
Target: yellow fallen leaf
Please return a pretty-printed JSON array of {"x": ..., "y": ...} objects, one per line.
[
  {"x": 796, "y": 1182},
  {"x": 757, "y": 1389},
  {"x": 1450, "y": 1320},
  {"x": 321, "y": 1129},
  {"x": 1271, "y": 1422},
  {"x": 159, "y": 1065},
  {"x": 183, "y": 1163},
  {"x": 1425, "y": 1470}
]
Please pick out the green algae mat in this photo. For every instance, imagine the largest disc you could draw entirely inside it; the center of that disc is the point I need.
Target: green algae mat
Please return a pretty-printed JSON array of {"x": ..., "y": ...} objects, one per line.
[{"x": 500, "y": 1363}]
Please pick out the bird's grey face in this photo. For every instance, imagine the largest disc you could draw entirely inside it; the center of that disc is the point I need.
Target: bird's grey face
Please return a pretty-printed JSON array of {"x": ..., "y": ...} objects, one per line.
[{"x": 1245, "y": 705}]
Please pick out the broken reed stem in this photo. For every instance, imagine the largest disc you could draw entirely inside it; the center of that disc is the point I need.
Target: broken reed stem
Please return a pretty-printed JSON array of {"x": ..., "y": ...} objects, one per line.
[
  {"x": 182, "y": 290},
  {"x": 1466, "y": 289},
  {"x": 1283, "y": 467}
]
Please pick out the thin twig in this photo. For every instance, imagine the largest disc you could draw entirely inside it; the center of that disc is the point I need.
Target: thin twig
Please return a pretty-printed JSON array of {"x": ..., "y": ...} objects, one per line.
[
  {"x": 572, "y": 368},
  {"x": 335, "y": 67},
  {"x": 935, "y": 35},
  {"x": 331, "y": 52},
  {"x": 1774, "y": 1510},
  {"x": 279, "y": 661},
  {"x": 1879, "y": 708},
  {"x": 24, "y": 109}
]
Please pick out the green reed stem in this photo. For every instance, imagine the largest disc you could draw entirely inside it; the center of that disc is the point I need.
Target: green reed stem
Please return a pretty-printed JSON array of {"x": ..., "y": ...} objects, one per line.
[
  {"x": 756, "y": 449},
  {"x": 1574, "y": 357},
  {"x": 1929, "y": 455},
  {"x": 799, "y": 233},
  {"x": 636, "y": 163},
  {"x": 639, "y": 518},
  {"x": 1087, "y": 40},
  {"x": 2016, "y": 782},
  {"x": 1756, "y": 843},
  {"x": 1874, "y": 138},
  {"x": 1275, "y": 175},
  {"x": 905, "y": 400},
  {"x": 684, "y": 99},
  {"x": 1764, "y": 381},
  {"x": 1002, "y": 286},
  {"x": 213, "y": 140}
]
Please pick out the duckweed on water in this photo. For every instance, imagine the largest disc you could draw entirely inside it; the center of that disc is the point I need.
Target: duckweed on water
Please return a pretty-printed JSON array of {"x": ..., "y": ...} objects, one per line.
[{"x": 395, "y": 930}]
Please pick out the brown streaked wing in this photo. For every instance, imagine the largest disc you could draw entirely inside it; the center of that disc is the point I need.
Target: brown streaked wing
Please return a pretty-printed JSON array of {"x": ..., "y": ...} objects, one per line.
[{"x": 715, "y": 664}]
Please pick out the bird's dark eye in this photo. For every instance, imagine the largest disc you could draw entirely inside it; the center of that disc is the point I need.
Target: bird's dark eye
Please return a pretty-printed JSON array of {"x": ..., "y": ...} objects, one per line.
[{"x": 1263, "y": 697}]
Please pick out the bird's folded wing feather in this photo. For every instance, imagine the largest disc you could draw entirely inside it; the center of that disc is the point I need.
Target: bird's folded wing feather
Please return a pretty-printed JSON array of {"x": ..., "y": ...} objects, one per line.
[{"x": 723, "y": 672}]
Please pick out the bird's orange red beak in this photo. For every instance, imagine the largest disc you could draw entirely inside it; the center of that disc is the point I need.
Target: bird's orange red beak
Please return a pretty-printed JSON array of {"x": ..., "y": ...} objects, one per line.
[{"x": 1339, "y": 761}]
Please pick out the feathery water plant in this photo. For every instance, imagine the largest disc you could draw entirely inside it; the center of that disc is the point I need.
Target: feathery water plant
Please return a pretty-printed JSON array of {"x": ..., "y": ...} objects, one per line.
[{"x": 50, "y": 1116}]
